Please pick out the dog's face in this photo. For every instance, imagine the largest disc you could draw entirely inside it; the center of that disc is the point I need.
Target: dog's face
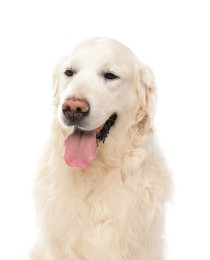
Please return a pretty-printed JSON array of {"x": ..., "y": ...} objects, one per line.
[{"x": 99, "y": 88}]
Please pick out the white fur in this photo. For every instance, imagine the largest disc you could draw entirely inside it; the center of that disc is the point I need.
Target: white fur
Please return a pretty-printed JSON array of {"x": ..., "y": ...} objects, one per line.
[{"x": 114, "y": 209}]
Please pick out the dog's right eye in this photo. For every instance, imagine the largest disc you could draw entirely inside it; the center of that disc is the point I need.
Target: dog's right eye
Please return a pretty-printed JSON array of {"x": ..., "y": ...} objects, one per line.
[
  {"x": 110, "y": 76},
  {"x": 69, "y": 73}
]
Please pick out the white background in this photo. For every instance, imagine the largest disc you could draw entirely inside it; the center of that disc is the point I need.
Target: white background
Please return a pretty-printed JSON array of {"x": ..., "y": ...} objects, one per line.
[{"x": 173, "y": 37}]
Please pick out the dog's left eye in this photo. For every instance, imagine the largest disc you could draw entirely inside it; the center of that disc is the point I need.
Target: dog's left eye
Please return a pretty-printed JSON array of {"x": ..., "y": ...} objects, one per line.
[
  {"x": 69, "y": 72},
  {"x": 110, "y": 76}
]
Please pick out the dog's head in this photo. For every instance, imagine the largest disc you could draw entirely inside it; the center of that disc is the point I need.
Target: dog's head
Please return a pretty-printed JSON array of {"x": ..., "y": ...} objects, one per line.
[{"x": 100, "y": 88}]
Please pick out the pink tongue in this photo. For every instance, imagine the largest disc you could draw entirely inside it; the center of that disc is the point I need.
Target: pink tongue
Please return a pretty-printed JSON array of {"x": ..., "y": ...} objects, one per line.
[{"x": 80, "y": 149}]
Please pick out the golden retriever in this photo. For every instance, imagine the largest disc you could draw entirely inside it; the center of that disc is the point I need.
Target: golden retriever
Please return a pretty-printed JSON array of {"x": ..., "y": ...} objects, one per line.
[{"x": 102, "y": 181}]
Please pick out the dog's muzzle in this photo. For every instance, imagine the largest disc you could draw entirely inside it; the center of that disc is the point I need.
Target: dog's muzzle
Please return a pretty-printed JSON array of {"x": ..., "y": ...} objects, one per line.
[{"x": 81, "y": 145}]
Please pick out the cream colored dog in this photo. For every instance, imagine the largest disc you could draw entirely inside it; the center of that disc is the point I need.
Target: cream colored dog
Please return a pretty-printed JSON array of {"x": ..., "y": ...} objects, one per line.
[{"x": 102, "y": 182}]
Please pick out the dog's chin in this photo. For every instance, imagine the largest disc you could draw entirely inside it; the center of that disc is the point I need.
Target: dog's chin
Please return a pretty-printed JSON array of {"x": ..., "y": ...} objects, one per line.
[{"x": 102, "y": 132}]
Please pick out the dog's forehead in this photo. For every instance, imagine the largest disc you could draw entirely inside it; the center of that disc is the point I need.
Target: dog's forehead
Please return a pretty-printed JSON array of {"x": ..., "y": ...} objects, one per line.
[
  {"x": 102, "y": 50},
  {"x": 102, "y": 54}
]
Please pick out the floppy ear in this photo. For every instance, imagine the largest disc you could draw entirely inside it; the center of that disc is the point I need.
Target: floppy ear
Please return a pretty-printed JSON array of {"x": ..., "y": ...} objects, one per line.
[
  {"x": 146, "y": 93},
  {"x": 58, "y": 70}
]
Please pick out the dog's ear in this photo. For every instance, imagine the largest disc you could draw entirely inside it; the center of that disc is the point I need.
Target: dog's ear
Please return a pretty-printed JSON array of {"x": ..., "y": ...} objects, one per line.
[
  {"x": 147, "y": 95},
  {"x": 58, "y": 70}
]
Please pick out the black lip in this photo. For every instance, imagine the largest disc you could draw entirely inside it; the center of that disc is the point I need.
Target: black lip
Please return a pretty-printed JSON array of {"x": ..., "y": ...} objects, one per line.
[{"x": 103, "y": 133}]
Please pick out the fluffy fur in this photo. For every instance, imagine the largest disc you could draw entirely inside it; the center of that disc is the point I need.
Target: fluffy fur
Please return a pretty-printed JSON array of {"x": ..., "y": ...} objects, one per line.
[{"x": 113, "y": 209}]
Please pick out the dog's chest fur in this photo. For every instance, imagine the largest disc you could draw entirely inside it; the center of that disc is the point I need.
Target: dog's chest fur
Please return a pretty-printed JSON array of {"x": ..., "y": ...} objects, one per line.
[{"x": 100, "y": 211}]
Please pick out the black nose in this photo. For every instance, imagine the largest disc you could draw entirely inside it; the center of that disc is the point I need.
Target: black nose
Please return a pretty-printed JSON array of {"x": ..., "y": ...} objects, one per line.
[{"x": 75, "y": 109}]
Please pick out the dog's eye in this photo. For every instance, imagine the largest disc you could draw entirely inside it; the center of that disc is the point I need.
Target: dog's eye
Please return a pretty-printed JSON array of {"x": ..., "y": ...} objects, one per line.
[
  {"x": 110, "y": 76},
  {"x": 69, "y": 73}
]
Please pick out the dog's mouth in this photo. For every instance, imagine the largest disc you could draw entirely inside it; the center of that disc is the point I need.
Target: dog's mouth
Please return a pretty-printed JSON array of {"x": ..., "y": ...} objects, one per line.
[
  {"x": 103, "y": 131},
  {"x": 80, "y": 146}
]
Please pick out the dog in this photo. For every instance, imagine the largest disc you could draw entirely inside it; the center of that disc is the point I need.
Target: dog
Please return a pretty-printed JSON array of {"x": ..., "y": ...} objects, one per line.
[{"x": 102, "y": 182}]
